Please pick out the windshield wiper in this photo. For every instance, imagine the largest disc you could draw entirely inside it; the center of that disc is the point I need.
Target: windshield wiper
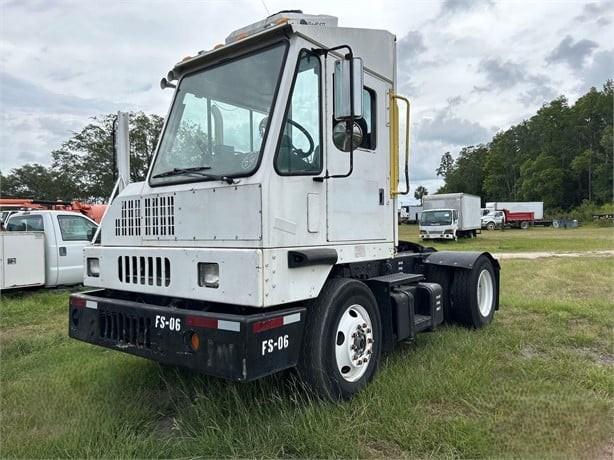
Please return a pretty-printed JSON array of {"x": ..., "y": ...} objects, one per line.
[{"x": 197, "y": 170}]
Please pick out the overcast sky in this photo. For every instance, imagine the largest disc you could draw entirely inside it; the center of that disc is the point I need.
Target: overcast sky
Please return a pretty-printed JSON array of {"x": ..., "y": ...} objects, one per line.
[{"x": 470, "y": 67}]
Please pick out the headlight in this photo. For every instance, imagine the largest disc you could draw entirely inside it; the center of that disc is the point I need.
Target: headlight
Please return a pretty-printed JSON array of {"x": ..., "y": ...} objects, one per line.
[
  {"x": 208, "y": 274},
  {"x": 93, "y": 267}
]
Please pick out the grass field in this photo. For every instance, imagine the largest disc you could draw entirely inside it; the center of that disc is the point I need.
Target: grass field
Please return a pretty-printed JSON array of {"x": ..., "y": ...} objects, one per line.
[
  {"x": 538, "y": 382},
  {"x": 589, "y": 238}
]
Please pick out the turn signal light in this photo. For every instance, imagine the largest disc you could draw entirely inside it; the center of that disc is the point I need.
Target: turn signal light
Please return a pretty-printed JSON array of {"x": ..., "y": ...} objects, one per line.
[{"x": 194, "y": 341}]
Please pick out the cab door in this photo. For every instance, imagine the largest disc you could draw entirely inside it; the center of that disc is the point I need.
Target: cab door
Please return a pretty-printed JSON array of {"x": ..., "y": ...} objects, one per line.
[
  {"x": 75, "y": 232},
  {"x": 359, "y": 207}
]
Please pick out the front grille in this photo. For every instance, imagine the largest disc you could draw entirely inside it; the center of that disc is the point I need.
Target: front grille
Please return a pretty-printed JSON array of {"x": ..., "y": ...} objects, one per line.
[
  {"x": 128, "y": 329},
  {"x": 160, "y": 216},
  {"x": 129, "y": 222},
  {"x": 146, "y": 271}
]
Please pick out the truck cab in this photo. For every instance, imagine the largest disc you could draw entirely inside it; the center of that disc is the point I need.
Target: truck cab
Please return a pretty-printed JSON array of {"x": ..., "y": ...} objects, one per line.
[
  {"x": 65, "y": 233},
  {"x": 265, "y": 235},
  {"x": 439, "y": 224}
]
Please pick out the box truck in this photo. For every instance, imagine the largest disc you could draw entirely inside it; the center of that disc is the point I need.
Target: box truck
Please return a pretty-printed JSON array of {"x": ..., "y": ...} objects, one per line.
[{"x": 450, "y": 215}]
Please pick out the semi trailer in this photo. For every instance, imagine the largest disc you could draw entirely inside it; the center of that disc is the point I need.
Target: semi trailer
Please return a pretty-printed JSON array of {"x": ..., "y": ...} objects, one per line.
[{"x": 265, "y": 235}]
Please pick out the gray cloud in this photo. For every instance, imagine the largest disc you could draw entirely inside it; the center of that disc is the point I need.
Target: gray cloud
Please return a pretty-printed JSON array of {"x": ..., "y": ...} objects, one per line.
[
  {"x": 452, "y": 7},
  {"x": 598, "y": 12},
  {"x": 573, "y": 54},
  {"x": 504, "y": 75},
  {"x": 448, "y": 128},
  {"x": 500, "y": 75},
  {"x": 19, "y": 94},
  {"x": 599, "y": 70}
]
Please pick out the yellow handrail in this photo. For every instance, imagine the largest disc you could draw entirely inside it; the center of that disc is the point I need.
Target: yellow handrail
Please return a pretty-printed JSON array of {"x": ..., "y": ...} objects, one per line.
[{"x": 394, "y": 145}]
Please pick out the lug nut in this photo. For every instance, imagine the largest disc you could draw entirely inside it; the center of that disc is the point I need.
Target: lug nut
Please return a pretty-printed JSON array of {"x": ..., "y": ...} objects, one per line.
[
  {"x": 368, "y": 352},
  {"x": 354, "y": 335},
  {"x": 368, "y": 330},
  {"x": 364, "y": 324},
  {"x": 359, "y": 362},
  {"x": 370, "y": 340}
]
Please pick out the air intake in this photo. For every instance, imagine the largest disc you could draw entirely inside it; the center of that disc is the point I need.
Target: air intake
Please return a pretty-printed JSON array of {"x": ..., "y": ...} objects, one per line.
[
  {"x": 129, "y": 222},
  {"x": 160, "y": 216},
  {"x": 144, "y": 271}
]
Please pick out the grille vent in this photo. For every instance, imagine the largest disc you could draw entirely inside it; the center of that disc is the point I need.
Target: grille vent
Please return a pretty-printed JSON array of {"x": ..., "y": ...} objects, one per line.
[
  {"x": 130, "y": 329},
  {"x": 129, "y": 222},
  {"x": 160, "y": 216},
  {"x": 146, "y": 271}
]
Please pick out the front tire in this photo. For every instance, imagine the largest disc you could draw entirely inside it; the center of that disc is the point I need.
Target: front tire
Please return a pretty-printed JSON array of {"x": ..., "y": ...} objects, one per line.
[
  {"x": 474, "y": 294},
  {"x": 343, "y": 339}
]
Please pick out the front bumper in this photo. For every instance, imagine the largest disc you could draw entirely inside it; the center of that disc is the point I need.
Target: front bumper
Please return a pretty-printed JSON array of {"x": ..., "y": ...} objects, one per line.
[
  {"x": 437, "y": 236},
  {"x": 232, "y": 346}
]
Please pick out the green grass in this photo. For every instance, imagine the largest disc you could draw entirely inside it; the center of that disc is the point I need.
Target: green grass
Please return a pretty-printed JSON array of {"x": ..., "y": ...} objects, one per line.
[
  {"x": 589, "y": 238},
  {"x": 538, "y": 382}
]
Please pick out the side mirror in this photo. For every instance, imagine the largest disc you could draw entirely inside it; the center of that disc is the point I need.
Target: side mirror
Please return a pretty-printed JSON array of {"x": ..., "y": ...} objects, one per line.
[
  {"x": 348, "y": 89},
  {"x": 342, "y": 136}
]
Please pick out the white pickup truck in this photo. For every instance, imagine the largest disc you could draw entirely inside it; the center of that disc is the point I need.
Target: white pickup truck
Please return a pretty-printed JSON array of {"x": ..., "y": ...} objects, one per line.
[{"x": 43, "y": 248}]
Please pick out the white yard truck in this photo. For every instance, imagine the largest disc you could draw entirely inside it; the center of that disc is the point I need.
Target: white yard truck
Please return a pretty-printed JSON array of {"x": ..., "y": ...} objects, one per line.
[
  {"x": 265, "y": 235},
  {"x": 44, "y": 248},
  {"x": 450, "y": 215}
]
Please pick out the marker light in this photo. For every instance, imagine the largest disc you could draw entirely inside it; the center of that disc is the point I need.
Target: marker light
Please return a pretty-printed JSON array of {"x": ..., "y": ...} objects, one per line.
[
  {"x": 93, "y": 267},
  {"x": 194, "y": 341},
  {"x": 208, "y": 274}
]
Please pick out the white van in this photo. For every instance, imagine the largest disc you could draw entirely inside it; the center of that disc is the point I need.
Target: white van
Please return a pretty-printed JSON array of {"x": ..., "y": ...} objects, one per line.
[{"x": 65, "y": 235}]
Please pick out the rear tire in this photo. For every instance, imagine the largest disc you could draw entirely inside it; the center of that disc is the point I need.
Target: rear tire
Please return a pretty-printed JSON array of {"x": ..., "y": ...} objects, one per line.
[
  {"x": 474, "y": 294},
  {"x": 343, "y": 340},
  {"x": 524, "y": 225}
]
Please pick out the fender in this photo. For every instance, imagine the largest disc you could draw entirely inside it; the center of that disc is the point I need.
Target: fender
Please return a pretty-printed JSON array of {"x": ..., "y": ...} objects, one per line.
[
  {"x": 463, "y": 260},
  {"x": 458, "y": 259}
]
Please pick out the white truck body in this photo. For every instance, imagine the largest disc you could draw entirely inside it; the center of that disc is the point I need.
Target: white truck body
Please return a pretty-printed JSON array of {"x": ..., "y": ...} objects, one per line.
[
  {"x": 22, "y": 259},
  {"x": 449, "y": 215},
  {"x": 57, "y": 254},
  {"x": 245, "y": 226},
  {"x": 265, "y": 192},
  {"x": 536, "y": 207}
]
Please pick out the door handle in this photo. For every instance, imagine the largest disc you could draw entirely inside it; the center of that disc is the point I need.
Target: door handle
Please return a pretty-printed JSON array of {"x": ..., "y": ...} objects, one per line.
[{"x": 62, "y": 251}]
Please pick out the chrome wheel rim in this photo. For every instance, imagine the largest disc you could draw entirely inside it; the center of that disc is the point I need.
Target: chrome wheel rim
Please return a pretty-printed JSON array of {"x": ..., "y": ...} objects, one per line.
[
  {"x": 485, "y": 292},
  {"x": 354, "y": 343}
]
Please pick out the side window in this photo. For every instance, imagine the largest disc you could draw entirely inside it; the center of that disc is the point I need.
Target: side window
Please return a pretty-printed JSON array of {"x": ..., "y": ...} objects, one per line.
[
  {"x": 75, "y": 228},
  {"x": 299, "y": 151},
  {"x": 25, "y": 224},
  {"x": 368, "y": 119}
]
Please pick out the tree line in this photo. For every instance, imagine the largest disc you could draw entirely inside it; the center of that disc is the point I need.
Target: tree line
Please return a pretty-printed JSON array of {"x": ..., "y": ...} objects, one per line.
[
  {"x": 563, "y": 156},
  {"x": 83, "y": 167}
]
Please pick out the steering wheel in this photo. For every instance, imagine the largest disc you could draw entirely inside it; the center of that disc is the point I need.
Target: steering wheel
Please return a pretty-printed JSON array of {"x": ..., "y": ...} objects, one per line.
[{"x": 296, "y": 152}]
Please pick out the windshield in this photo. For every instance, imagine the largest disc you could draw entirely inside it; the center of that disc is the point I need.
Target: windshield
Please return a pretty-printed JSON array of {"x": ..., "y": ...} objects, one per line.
[
  {"x": 219, "y": 120},
  {"x": 436, "y": 217}
]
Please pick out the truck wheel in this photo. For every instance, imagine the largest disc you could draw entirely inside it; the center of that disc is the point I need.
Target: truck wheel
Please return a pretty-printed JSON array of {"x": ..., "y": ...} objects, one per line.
[
  {"x": 474, "y": 294},
  {"x": 524, "y": 225},
  {"x": 342, "y": 343},
  {"x": 491, "y": 226}
]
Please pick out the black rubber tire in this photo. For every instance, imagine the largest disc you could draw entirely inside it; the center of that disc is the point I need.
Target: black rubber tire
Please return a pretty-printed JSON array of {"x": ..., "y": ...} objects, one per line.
[
  {"x": 317, "y": 365},
  {"x": 524, "y": 225},
  {"x": 490, "y": 226},
  {"x": 443, "y": 277},
  {"x": 463, "y": 298}
]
